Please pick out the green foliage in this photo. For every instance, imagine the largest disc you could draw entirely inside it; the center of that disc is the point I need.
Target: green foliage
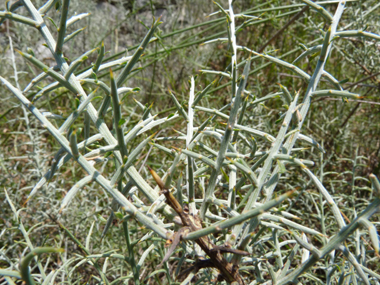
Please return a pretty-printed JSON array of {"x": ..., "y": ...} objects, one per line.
[{"x": 262, "y": 117}]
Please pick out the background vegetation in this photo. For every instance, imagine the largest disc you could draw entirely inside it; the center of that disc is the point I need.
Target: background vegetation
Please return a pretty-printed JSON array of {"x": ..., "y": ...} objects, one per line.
[{"x": 347, "y": 129}]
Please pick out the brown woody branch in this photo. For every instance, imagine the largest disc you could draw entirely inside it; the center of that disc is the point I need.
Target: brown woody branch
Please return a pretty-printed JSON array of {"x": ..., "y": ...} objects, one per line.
[{"x": 228, "y": 271}]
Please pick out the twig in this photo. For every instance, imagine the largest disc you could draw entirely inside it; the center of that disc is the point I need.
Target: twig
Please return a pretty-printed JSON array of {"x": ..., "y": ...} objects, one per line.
[{"x": 228, "y": 271}]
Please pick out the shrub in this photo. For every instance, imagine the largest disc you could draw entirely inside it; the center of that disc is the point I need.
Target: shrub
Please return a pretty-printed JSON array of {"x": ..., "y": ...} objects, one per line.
[{"x": 259, "y": 208}]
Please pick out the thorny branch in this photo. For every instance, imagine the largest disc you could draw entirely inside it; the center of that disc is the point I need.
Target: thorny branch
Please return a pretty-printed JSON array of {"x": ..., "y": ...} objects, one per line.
[{"x": 228, "y": 271}]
